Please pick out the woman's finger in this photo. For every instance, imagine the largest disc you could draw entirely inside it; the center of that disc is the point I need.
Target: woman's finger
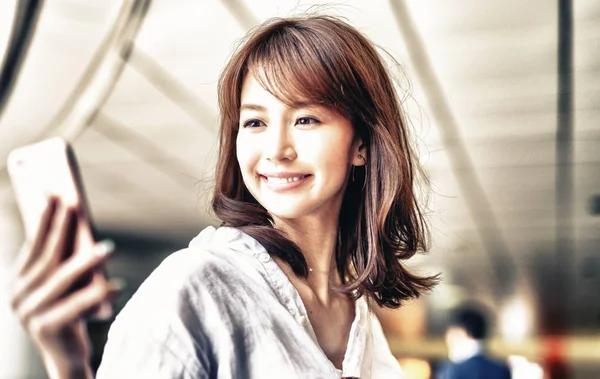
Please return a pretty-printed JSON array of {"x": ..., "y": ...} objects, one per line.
[
  {"x": 63, "y": 224},
  {"x": 61, "y": 236},
  {"x": 31, "y": 250},
  {"x": 63, "y": 279},
  {"x": 71, "y": 308}
]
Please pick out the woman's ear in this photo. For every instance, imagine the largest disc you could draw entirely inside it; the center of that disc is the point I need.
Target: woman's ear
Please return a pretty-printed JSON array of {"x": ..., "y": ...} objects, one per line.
[{"x": 360, "y": 154}]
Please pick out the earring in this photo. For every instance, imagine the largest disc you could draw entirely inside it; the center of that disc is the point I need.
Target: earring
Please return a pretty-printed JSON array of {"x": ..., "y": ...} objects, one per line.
[
  {"x": 365, "y": 182},
  {"x": 364, "y": 159}
]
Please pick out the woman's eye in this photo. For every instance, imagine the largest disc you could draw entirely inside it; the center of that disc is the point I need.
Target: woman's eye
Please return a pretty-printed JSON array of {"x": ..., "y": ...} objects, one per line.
[
  {"x": 253, "y": 124},
  {"x": 307, "y": 121}
]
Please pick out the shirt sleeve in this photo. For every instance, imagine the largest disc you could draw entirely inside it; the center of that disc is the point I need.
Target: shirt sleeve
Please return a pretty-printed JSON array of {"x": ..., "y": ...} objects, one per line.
[
  {"x": 158, "y": 334},
  {"x": 136, "y": 356}
]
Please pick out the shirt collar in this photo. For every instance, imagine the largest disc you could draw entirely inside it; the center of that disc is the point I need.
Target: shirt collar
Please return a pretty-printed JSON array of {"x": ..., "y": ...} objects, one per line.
[{"x": 289, "y": 296}]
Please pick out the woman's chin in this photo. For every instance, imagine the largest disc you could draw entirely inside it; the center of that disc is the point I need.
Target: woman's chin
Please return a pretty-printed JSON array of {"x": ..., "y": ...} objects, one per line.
[{"x": 286, "y": 213}]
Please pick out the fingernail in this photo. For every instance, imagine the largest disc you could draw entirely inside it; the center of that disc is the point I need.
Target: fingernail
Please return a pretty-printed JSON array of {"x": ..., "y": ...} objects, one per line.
[
  {"x": 117, "y": 284},
  {"x": 104, "y": 247},
  {"x": 103, "y": 313}
]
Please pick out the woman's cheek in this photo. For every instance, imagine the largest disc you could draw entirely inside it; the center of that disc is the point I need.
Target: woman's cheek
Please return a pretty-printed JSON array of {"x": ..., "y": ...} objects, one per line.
[{"x": 244, "y": 154}]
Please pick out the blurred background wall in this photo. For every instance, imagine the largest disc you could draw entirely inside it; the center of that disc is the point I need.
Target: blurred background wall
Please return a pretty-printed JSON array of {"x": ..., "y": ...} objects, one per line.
[{"x": 503, "y": 97}]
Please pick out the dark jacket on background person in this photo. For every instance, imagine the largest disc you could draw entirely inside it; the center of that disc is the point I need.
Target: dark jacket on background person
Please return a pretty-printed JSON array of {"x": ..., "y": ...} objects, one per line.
[{"x": 478, "y": 366}]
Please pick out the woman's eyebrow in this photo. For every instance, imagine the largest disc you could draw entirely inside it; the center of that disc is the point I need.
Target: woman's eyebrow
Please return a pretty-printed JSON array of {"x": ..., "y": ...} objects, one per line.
[
  {"x": 294, "y": 107},
  {"x": 253, "y": 107},
  {"x": 306, "y": 104}
]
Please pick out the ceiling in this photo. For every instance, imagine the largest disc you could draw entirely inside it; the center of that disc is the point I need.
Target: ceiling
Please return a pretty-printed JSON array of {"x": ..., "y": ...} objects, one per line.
[{"x": 479, "y": 81}]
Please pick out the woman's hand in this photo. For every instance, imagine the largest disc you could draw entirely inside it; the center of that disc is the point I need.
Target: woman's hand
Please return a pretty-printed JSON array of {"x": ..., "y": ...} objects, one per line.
[{"x": 46, "y": 296}]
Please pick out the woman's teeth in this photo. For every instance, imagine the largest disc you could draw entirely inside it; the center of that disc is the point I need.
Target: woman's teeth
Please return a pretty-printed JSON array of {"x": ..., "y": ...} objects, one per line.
[{"x": 284, "y": 180}]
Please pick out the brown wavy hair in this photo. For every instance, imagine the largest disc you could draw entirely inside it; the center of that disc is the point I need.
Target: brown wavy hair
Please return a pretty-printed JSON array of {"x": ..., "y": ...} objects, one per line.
[{"x": 323, "y": 60}]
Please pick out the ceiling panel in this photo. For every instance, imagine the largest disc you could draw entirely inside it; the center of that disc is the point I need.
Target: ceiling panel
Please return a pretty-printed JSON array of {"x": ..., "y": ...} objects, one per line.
[{"x": 147, "y": 159}]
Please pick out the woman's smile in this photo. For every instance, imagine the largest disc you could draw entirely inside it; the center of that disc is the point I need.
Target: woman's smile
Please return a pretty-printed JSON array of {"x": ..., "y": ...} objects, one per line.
[{"x": 284, "y": 181}]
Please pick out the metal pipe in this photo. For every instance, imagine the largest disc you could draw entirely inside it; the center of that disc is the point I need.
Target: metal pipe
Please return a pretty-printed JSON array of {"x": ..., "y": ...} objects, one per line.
[
  {"x": 564, "y": 133},
  {"x": 173, "y": 89},
  {"x": 22, "y": 31},
  {"x": 501, "y": 261}
]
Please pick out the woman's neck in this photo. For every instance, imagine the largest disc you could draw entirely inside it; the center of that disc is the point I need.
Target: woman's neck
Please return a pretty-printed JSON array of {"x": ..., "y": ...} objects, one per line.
[{"x": 317, "y": 239}]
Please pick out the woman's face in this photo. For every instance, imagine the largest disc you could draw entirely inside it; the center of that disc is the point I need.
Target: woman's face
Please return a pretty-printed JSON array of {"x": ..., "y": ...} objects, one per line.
[{"x": 294, "y": 161}]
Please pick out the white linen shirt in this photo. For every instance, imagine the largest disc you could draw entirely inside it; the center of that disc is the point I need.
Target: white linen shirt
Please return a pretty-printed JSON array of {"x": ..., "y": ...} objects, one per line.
[{"x": 222, "y": 308}]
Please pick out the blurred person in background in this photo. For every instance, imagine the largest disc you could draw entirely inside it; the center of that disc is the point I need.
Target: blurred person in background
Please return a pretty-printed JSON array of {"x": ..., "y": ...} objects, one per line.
[
  {"x": 465, "y": 339},
  {"x": 316, "y": 190}
]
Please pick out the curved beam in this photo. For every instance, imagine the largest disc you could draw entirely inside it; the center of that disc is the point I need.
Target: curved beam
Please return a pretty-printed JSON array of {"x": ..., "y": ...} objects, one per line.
[
  {"x": 23, "y": 28},
  {"x": 499, "y": 255},
  {"x": 101, "y": 75}
]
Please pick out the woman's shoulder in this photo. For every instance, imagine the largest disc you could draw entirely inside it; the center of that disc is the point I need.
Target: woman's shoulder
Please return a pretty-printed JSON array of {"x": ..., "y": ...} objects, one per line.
[
  {"x": 218, "y": 249},
  {"x": 179, "y": 305},
  {"x": 216, "y": 262},
  {"x": 213, "y": 251}
]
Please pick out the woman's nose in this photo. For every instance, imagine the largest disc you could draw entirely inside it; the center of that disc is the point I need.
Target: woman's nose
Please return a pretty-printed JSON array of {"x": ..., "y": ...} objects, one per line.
[{"x": 280, "y": 143}]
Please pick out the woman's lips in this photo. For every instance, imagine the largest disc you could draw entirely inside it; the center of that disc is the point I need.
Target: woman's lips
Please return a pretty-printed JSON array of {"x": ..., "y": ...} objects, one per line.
[{"x": 284, "y": 181}]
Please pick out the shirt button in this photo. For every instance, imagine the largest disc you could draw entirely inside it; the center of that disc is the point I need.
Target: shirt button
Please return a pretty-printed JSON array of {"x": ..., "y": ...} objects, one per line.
[
  {"x": 264, "y": 257},
  {"x": 303, "y": 321}
]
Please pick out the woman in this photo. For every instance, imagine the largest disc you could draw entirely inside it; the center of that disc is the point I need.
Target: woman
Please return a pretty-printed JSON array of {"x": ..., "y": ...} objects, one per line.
[{"x": 315, "y": 189}]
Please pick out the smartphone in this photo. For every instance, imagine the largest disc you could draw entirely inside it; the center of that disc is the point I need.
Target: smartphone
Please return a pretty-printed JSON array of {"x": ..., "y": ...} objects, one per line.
[{"x": 49, "y": 168}]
